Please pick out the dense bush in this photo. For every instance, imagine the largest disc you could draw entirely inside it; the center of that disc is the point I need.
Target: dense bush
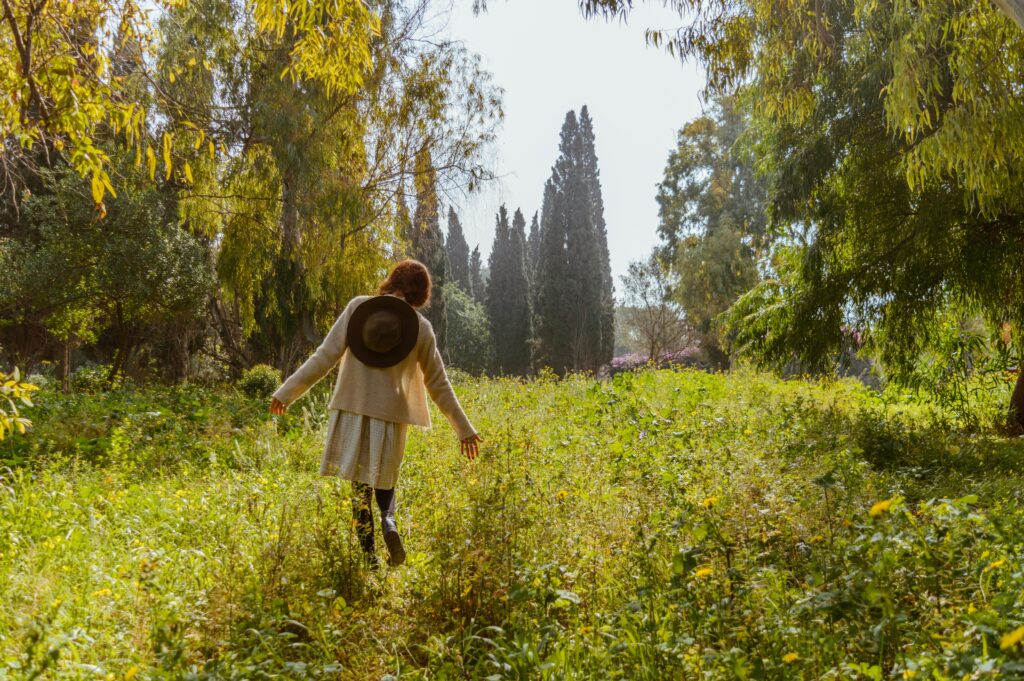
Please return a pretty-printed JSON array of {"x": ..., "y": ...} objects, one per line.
[
  {"x": 260, "y": 381},
  {"x": 663, "y": 524},
  {"x": 92, "y": 378}
]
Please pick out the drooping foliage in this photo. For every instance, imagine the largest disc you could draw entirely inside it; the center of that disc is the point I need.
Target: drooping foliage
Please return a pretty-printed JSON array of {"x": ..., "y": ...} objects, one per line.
[
  {"x": 891, "y": 137},
  {"x": 286, "y": 136},
  {"x": 65, "y": 97}
]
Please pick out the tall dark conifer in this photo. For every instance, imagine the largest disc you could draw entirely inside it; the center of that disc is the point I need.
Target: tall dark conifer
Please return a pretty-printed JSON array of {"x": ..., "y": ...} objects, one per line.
[
  {"x": 477, "y": 287},
  {"x": 427, "y": 243},
  {"x": 519, "y": 308},
  {"x": 573, "y": 286},
  {"x": 533, "y": 248},
  {"x": 458, "y": 252},
  {"x": 592, "y": 178},
  {"x": 551, "y": 296},
  {"x": 494, "y": 300},
  {"x": 508, "y": 296}
]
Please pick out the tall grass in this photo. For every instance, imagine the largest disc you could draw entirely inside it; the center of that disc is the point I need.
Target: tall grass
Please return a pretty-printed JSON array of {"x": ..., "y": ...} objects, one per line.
[{"x": 658, "y": 525}]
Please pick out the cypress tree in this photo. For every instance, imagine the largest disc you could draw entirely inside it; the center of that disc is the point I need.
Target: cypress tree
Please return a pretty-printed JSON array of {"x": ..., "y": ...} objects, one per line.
[
  {"x": 427, "y": 243},
  {"x": 592, "y": 178},
  {"x": 476, "y": 277},
  {"x": 519, "y": 310},
  {"x": 551, "y": 296},
  {"x": 458, "y": 252},
  {"x": 573, "y": 287},
  {"x": 495, "y": 298},
  {"x": 533, "y": 248},
  {"x": 508, "y": 296}
]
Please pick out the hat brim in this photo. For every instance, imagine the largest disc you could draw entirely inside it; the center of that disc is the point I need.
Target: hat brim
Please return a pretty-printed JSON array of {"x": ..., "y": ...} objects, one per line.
[{"x": 408, "y": 319}]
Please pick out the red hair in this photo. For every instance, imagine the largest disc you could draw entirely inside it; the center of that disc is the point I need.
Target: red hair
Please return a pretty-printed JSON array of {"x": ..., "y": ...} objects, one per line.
[{"x": 409, "y": 279}]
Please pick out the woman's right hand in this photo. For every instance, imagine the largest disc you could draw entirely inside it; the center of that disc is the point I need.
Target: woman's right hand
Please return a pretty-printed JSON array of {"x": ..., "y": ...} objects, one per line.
[
  {"x": 277, "y": 407},
  {"x": 471, "y": 446}
]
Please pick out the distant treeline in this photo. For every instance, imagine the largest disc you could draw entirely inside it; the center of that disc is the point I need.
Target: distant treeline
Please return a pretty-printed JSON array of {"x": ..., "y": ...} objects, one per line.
[{"x": 546, "y": 296}]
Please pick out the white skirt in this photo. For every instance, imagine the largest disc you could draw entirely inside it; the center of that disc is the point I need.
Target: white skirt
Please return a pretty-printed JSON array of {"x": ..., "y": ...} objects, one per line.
[{"x": 364, "y": 449}]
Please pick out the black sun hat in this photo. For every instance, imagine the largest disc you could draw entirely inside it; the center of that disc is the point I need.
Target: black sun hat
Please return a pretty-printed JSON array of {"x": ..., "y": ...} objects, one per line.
[{"x": 382, "y": 331}]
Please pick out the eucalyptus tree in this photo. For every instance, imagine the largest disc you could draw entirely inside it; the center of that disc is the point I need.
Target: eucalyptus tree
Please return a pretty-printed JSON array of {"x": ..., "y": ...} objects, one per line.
[
  {"x": 303, "y": 201},
  {"x": 62, "y": 98},
  {"x": 891, "y": 137},
  {"x": 713, "y": 220}
]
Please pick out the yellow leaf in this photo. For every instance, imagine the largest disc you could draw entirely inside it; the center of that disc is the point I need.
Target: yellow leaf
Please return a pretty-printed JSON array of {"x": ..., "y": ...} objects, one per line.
[
  {"x": 211, "y": 149},
  {"x": 170, "y": 76},
  {"x": 132, "y": 671},
  {"x": 188, "y": 172},
  {"x": 167, "y": 155},
  {"x": 151, "y": 162},
  {"x": 97, "y": 188}
]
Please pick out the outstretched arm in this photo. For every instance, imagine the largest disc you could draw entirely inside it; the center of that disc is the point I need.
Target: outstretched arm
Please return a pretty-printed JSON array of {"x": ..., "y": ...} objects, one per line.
[
  {"x": 316, "y": 367},
  {"x": 440, "y": 390}
]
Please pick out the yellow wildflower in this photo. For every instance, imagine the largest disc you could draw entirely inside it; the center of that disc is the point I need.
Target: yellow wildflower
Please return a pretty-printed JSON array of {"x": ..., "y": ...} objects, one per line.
[
  {"x": 909, "y": 673},
  {"x": 703, "y": 572},
  {"x": 1011, "y": 639},
  {"x": 994, "y": 565},
  {"x": 709, "y": 502},
  {"x": 789, "y": 658},
  {"x": 880, "y": 507},
  {"x": 561, "y": 494}
]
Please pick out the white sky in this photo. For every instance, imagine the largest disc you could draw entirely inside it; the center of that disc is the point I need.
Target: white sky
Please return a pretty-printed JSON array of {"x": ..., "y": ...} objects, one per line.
[{"x": 549, "y": 59}]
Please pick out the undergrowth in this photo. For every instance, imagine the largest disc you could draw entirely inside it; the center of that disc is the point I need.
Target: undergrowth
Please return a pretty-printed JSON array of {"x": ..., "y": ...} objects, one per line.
[{"x": 658, "y": 525}]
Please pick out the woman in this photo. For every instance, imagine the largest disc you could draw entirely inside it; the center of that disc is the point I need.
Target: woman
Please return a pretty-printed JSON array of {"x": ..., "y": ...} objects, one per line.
[{"x": 389, "y": 362}]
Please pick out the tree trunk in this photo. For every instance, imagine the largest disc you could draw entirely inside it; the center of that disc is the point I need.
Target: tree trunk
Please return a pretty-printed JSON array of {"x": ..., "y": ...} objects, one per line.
[
  {"x": 1016, "y": 420},
  {"x": 65, "y": 367},
  {"x": 119, "y": 352}
]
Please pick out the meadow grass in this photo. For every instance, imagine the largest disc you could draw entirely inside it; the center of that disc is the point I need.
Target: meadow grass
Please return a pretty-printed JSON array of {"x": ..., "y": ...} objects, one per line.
[{"x": 658, "y": 525}]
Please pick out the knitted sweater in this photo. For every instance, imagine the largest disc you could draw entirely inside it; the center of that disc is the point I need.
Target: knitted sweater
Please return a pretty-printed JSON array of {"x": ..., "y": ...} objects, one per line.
[{"x": 397, "y": 393}]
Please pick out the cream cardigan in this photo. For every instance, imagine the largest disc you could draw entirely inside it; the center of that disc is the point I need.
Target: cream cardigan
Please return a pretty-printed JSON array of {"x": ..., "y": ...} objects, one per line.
[{"x": 395, "y": 393}]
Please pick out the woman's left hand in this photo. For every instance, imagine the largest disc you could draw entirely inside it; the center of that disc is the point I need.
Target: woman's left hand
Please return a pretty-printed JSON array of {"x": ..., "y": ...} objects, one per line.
[
  {"x": 471, "y": 447},
  {"x": 277, "y": 407}
]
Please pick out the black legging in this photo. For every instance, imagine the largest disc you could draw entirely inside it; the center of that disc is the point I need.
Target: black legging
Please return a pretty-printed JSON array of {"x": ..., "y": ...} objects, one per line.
[
  {"x": 362, "y": 511},
  {"x": 385, "y": 497}
]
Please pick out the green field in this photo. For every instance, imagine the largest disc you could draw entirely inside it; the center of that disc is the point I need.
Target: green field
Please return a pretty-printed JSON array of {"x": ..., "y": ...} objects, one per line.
[{"x": 660, "y": 525}]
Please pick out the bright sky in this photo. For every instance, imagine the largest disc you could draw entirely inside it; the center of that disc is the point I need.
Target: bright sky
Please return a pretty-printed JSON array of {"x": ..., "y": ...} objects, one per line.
[{"x": 549, "y": 59}]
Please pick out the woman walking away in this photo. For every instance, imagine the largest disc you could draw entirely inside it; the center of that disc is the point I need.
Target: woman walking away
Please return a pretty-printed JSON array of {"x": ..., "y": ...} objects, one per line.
[{"x": 389, "y": 362}]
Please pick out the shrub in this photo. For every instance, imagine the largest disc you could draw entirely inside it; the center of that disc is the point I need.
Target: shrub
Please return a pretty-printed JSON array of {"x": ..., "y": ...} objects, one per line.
[
  {"x": 92, "y": 378},
  {"x": 260, "y": 381}
]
